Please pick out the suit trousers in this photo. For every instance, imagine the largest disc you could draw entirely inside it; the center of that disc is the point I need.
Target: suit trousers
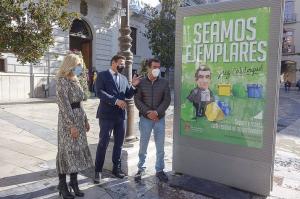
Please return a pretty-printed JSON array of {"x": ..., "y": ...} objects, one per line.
[{"x": 108, "y": 126}]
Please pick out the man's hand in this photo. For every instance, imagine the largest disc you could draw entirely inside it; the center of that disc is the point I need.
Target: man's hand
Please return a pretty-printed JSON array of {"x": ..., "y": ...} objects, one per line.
[
  {"x": 74, "y": 133},
  {"x": 152, "y": 115},
  {"x": 87, "y": 126},
  {"x": 136, "y": 80},
  {"x": 121, "y": 104}
]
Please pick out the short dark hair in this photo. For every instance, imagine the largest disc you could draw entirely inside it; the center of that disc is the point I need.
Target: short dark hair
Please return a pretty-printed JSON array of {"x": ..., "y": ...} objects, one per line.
[
  {"x": 149, "y": 62},
  {"x": 116, "y": 58},
  {"x": 202, "y": 68}
]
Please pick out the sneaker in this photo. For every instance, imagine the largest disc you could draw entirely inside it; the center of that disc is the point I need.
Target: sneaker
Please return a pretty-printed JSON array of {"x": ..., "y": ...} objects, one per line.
[
  {"x": 97, "y": 177},
  {"x": 138, "y": 176},
  {"x": 162, "y": 176}
]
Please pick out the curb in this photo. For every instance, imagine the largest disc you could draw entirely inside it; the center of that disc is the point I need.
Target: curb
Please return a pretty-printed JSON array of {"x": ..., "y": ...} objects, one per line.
[{"x": 30, "y": 101}]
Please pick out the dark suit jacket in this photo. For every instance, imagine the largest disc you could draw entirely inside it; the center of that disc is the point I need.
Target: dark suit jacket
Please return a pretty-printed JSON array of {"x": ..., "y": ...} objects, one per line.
[
  {"x": 107, "y": 91},
  {"x": 195, "y": 98}
]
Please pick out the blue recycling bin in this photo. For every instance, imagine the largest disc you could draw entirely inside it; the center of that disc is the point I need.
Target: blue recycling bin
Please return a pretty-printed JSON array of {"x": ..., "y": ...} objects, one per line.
[
  {"x": 224, "y": 107},
  {"x": 254, "y": 90}
]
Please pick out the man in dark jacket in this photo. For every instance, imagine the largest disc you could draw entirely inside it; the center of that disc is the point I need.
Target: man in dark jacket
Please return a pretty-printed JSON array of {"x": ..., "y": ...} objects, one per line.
[
  {"x": 112, "y": 88},
  {"x": 152, "y": 100}
]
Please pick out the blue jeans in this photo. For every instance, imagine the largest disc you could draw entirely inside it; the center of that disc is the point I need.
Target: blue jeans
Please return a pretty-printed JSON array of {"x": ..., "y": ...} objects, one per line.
[{"x": 146, "y": 126}]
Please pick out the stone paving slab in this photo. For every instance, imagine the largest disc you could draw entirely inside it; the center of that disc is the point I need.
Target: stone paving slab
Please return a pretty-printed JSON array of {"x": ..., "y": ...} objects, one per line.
[
  {"x": 7, "y": 169},
  {"x": 27, "y": 125},
  {"x": 288, "y": 109}
]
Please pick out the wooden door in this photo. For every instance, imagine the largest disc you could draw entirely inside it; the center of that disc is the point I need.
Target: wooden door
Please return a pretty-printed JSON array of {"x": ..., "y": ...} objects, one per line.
[
  {"x": 87, "y": 54},
  {"x": 87, "y": 58}
]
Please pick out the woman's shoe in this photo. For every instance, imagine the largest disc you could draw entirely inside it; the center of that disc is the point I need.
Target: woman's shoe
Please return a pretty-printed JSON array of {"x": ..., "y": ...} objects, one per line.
[
  {"x": 64, "y": 196},
  {"x": 63, "y": 187},
  {"x": 74, "y": 185}
]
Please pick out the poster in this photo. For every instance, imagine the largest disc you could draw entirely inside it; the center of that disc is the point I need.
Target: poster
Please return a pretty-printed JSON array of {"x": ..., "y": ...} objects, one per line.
[{"x": 224, "y": 76}]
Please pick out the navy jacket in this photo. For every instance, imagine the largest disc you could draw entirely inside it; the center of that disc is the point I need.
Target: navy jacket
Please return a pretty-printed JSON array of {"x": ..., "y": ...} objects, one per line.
[{"x": 107, "y": 91}]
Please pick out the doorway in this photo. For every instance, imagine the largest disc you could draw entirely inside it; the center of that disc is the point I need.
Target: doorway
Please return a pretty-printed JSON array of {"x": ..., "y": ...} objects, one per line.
[
  {"x": 81, "y": 39},
  {"x": 288, "y": 71}
]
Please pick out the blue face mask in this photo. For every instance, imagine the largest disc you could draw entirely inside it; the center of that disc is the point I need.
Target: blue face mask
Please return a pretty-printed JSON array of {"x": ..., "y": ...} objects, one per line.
[{"x": 77, "y": 70}]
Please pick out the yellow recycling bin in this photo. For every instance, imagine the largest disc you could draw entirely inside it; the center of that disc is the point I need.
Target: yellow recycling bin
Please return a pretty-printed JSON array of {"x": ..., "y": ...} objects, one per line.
[
  {"x": 213, "y": 112},
  {"x": 224, "y": 89}
]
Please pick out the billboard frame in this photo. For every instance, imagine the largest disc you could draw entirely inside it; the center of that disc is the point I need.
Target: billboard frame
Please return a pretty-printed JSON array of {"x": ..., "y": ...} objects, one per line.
[{"x": 245, "y": 168}]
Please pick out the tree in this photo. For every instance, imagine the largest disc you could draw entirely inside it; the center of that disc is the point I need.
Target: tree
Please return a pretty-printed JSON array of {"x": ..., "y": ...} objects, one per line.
[
  {"x": 26, "y": 26},
  {"x": 161, "y": 31},
  {"x": 143, "y": 70}
]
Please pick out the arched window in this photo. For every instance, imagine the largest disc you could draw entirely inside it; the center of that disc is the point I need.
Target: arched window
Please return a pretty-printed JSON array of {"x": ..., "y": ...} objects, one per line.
[{"x": 80, "y": 29}]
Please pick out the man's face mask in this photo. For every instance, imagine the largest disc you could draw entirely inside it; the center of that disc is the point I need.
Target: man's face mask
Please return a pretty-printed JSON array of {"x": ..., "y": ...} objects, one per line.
[
  {"x": 155, "y": 72},
  {"x": 120, "y": 68},
  {"x": 77, "y": 70}
]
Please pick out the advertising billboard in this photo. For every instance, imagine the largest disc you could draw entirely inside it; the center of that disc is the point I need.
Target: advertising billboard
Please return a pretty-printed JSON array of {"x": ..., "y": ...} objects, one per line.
[
  {"x": 227, "y": 64},
  {"x": 224, "y": 73}
]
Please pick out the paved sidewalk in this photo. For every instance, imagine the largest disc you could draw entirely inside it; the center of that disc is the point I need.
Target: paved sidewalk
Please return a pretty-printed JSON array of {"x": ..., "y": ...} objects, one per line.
[{"x": 28, "y": 151}]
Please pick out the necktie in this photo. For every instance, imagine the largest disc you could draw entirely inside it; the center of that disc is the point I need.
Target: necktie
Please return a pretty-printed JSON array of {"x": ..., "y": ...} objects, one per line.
[{"x": 116, "y": 80}]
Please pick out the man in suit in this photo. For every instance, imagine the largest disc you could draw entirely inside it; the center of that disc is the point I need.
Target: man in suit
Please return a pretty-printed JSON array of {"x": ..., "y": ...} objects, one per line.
[{"x": 112, "y": 88}]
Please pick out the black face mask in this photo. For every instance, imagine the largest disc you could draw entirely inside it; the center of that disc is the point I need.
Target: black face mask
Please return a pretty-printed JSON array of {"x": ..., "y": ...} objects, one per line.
[{"x": 120, "y": 68}]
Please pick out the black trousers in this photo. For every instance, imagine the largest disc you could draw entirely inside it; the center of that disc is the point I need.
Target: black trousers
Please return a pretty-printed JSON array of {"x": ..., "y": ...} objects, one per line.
[{"x": 106, "y": 127}]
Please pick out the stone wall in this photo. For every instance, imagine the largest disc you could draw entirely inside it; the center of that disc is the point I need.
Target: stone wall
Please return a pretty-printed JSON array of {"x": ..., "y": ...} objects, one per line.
[
  {"x": 142, "y": 49},
  {"x": 14, "y": 86}
]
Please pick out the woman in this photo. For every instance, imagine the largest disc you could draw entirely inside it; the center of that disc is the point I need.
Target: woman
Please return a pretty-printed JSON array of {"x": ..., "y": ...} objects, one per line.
[{"x": 73, "y": 151}]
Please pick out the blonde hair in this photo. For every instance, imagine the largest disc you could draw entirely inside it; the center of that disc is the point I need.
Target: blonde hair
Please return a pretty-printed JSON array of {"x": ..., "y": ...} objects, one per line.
[{"x": 70, "y": 61}]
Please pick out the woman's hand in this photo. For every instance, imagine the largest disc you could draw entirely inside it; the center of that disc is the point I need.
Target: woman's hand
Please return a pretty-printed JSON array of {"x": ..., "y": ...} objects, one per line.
[
  {"x": 87, "y": 126},
  {"x": 74, "y": 133}
]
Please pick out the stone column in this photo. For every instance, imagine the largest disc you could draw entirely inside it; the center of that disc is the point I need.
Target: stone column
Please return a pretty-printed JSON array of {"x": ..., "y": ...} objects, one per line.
[{"x": 125, "y": 45}]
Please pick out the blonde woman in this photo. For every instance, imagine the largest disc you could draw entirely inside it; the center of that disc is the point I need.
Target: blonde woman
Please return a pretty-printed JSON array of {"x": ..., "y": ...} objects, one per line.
[{"x": 73, "y": 151}]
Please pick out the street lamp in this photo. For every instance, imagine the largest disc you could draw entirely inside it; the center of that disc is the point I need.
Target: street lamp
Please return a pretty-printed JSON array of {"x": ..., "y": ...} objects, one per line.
[{"x": 125, "y": 45}]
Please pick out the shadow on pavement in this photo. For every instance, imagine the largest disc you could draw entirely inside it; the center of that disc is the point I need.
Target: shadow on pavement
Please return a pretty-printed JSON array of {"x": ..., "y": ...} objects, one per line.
[
  {"x": 28, "y": 177},
  {"x": 210, "y": 188},
  {"x": 46, "y": 191}
]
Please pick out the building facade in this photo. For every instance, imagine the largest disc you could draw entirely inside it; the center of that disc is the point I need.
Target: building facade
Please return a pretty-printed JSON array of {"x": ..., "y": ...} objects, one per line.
[
  {"x": 290, "y": 62},
  {"x": 95, "y": 34}
]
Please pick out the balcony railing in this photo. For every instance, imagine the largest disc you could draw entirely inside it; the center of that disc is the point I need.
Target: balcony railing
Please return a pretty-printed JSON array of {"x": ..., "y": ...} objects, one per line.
[
  {"x": 290, "y": 18},
  {"x": 288, "y": 49}
]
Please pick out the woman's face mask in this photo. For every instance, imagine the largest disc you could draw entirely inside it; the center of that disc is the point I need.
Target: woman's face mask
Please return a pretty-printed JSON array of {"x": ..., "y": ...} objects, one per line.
[{"x": 77, "y": 70}]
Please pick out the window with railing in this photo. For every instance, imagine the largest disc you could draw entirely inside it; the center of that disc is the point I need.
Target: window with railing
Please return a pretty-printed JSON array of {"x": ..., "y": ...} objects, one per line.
[
  {"x": 289, "y": 11},
  {"x": 133, "y": 36},
  {"x": 288, "y": 42}
]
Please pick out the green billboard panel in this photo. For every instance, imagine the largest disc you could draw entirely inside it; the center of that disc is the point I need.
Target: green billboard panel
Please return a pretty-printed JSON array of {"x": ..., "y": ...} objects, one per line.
[{"x": 224, "y": 76}]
